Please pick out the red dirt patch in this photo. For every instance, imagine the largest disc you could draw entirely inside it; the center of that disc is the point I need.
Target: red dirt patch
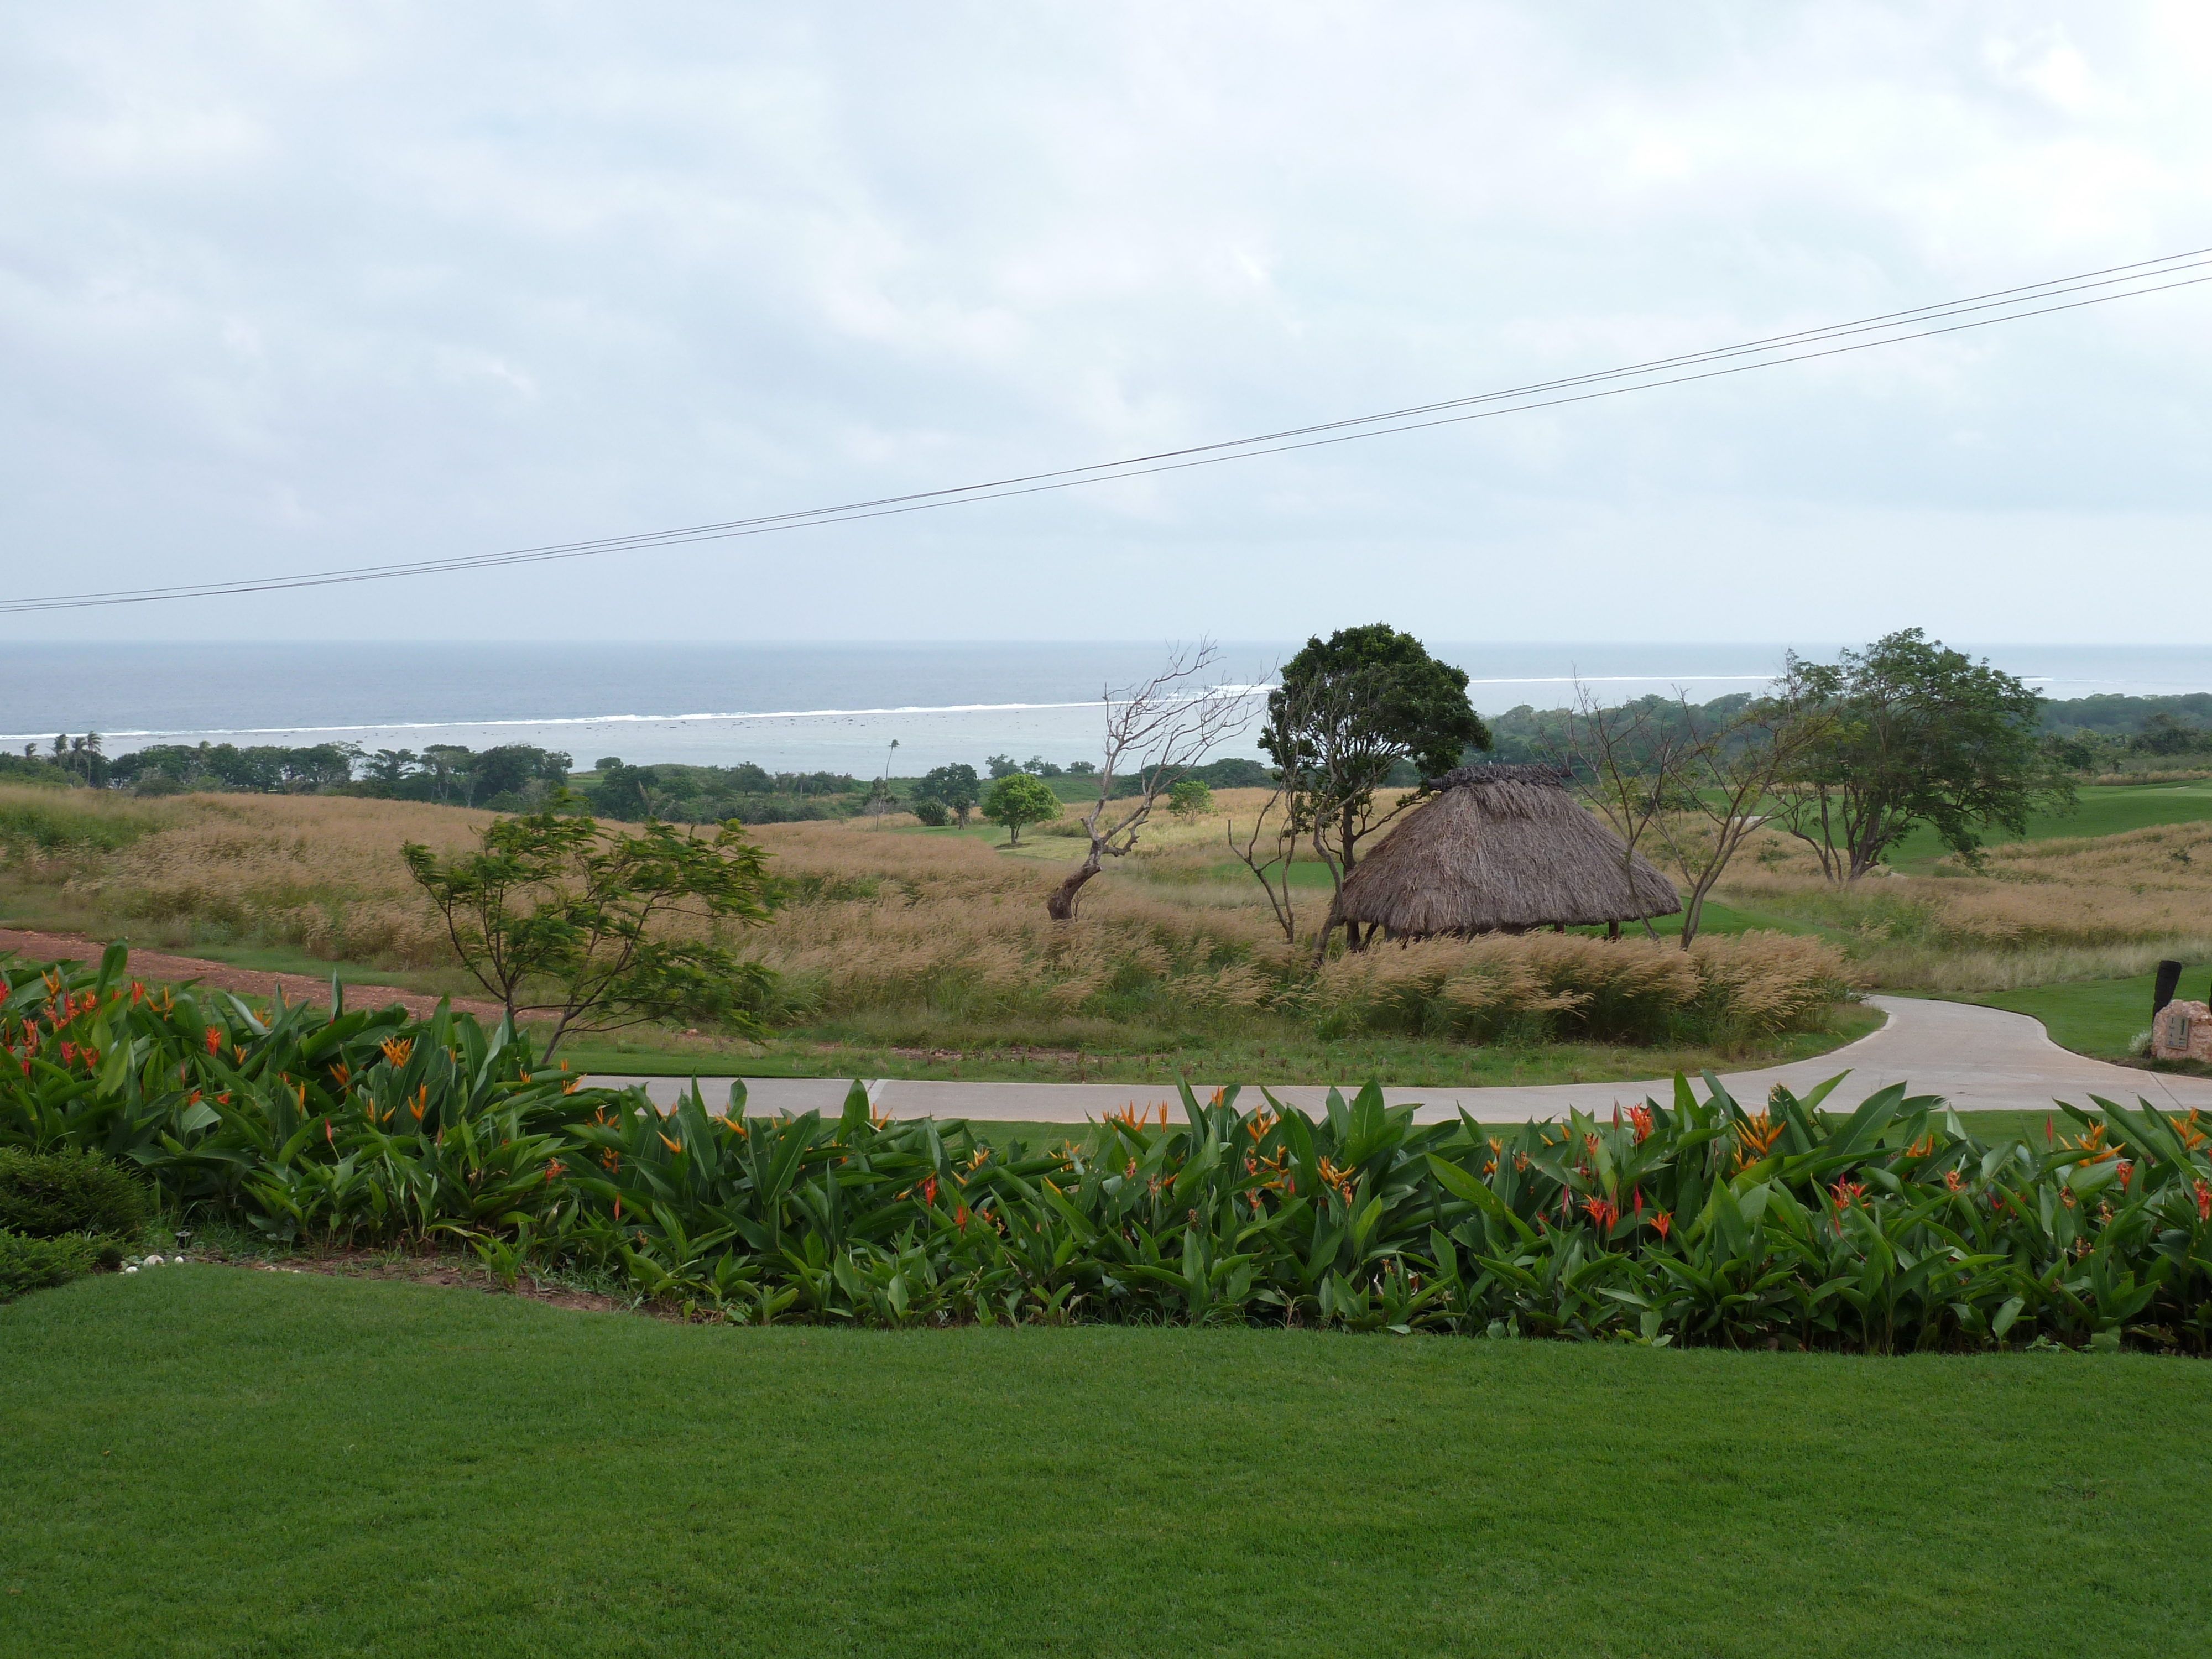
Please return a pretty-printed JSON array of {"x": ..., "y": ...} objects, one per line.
[{"x": 163, "y": 968}]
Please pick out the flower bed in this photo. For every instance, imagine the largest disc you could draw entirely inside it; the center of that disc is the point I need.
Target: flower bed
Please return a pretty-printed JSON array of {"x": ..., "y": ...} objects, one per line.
[{"x": 1692, "y": 1220}]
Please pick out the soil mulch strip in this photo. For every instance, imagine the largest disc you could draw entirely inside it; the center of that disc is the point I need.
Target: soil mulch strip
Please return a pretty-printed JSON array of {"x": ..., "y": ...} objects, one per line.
[{"x": 163, "y": 969}]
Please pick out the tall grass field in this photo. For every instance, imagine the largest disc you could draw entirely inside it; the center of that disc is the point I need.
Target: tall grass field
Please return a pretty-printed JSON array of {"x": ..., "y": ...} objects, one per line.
[{"x": 927, "y": 951}]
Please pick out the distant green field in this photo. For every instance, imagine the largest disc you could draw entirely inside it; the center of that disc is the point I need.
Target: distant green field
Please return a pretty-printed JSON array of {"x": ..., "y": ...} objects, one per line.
[
  {"x": 206, "y": 1460},
  {"x": 2103, "y": 810}
]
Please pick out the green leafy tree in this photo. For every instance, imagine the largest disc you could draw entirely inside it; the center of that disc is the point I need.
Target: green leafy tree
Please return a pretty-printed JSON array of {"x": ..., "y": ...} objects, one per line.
[
  {"x": 1018, "y": 798},
  {"x": 957, "y": 786},
  {"x": 600, "y": 925},
  {"x": 1190, "y": 799},
  {"x": 1909, "y": 732},
  {"x": 1349, "y": 709}
]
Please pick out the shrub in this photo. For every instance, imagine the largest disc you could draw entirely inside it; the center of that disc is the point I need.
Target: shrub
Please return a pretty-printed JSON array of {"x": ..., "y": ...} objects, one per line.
[
  {"x": 1893, "y": 1229},
  {"x": 33, "y": 1264},
  {"x": 1190, "y": 799},
  {"x": 47, "y": 1194},
  {"x": 932, "y": 811}
]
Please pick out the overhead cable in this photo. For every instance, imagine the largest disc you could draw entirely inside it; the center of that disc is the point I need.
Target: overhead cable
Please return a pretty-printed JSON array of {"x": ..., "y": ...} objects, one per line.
[{"x": 1859, "y": 334}]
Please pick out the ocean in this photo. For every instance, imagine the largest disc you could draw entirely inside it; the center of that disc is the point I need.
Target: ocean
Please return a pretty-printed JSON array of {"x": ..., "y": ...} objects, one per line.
[{"x": 814, "y": 707}]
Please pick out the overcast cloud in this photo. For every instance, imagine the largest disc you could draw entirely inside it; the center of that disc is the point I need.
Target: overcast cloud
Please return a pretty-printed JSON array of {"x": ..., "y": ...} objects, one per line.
[{"x": 288, "y": 287}]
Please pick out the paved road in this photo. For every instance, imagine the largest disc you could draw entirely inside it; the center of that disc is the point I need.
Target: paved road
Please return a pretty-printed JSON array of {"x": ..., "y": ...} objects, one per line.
[{"x": 1979, "y": 1058}]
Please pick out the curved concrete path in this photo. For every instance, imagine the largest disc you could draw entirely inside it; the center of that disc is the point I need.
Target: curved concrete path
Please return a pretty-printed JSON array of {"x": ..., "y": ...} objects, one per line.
[{"x": 1979, "y": 1058}]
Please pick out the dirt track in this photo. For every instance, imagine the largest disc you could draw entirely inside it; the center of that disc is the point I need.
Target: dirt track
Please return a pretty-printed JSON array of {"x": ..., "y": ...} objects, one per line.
[{"x": 162, "y": 968}]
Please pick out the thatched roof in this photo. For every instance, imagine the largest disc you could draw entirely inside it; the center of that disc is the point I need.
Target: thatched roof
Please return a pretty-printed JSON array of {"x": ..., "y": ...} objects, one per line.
[{"x": 1502, "y": 847}]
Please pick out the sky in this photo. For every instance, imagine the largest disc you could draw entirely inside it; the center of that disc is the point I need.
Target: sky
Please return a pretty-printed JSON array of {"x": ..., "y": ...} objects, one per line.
[{"x": 289, "y": 287}]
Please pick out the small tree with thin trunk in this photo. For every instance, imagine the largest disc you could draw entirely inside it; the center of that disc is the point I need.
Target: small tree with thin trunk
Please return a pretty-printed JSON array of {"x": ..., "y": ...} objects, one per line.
[
  {"x": 1716, "y": 777},
  {"x": 1621, "y": 761},
  {"x": 1017, "y": 800},
  {"x": 553, "y": 903},
  {"x": 1156, "y": 731}
]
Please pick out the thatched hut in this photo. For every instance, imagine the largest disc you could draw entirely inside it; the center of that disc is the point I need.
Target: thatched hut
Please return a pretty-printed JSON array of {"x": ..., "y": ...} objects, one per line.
[{"x": 1502, "y": 848}]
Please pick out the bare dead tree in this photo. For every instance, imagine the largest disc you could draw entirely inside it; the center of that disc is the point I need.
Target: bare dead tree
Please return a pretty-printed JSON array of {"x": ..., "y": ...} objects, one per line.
[
  {"x": 1156, "y": 731},
  {"x": 1272, "y": 873},
  {"x": 1621, "y": 761},
  {"x": 1720, "y": 775}
]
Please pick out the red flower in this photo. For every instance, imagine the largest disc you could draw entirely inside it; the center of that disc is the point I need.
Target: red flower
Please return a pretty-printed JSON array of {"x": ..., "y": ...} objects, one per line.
[
  {"x": 1641, "y": 1117},
  {"x": 929, "y": 1192},
  {"x": 2203, "y": 1202},
  {"x": 1661, "y": 1223},
  {"x": 1847, "y": 1193},
  {"x": 960, "y": 1215},
  {"x": 1600, "y": 1210},
  {"x": 214, "y": 1039},
  {"x": 2126, "y": 1170}
]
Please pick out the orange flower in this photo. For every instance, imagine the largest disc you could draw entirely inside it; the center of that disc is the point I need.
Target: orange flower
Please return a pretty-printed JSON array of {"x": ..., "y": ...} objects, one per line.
[
  {"x": 673, "y": 1145},
  {"x": 1661, "y": 1223},
  {"x": 1757, "y": 1136},
  {"x": 1640, "y": 1118},
  {"x": 421, "y": 1102},
  {"x": 2203, "y": 1199},
  {"x": 214, "y": 1039},
  {"x": 396, "y": 1050}
]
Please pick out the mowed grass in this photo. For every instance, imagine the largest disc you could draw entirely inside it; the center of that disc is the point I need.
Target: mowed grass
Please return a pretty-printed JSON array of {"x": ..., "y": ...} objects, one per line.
[
  {"x": 210, "y": 1460},
  {"x": 2099, "y": 810},
  {"x": 1280, "y": 1054},
  {"x": 2099, "y": 1017}
]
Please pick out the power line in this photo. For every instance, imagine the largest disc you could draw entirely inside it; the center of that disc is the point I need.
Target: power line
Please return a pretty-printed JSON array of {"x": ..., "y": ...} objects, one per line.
[{"x": 1859, "y": 334}]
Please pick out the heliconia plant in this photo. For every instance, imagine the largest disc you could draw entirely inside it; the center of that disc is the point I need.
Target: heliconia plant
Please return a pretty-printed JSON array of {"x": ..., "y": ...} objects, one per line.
[{"x": 1689, "y": 1221}]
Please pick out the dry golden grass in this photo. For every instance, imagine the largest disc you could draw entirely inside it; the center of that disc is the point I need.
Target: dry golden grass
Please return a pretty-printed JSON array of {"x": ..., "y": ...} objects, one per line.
[
  {"x": 2040, "y": 911},
  {"x": 319, "y": 872},
  {"x": 878, "y": 916},
  {"x": 1741, "y": 985}
]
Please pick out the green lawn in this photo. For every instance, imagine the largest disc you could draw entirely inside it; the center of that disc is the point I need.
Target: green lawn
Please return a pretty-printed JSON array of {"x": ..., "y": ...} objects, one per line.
[
  {"x": 2101, "y": 809},
  {"x": 208, "y": 1460},
  {"x": 2095, "y": 1017},
  {"x": 1280, "y": 1054}
]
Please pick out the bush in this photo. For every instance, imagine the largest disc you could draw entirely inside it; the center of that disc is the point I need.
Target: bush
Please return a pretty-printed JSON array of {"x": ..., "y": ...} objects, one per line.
[
  {"x": 34, "y": 1264},
  {"x": 932, "y": 811},
  {"x": 1891, "y": 1229},
  {"x": 48, "y": 1195},
  {"x": 1190, "y": 799}
]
